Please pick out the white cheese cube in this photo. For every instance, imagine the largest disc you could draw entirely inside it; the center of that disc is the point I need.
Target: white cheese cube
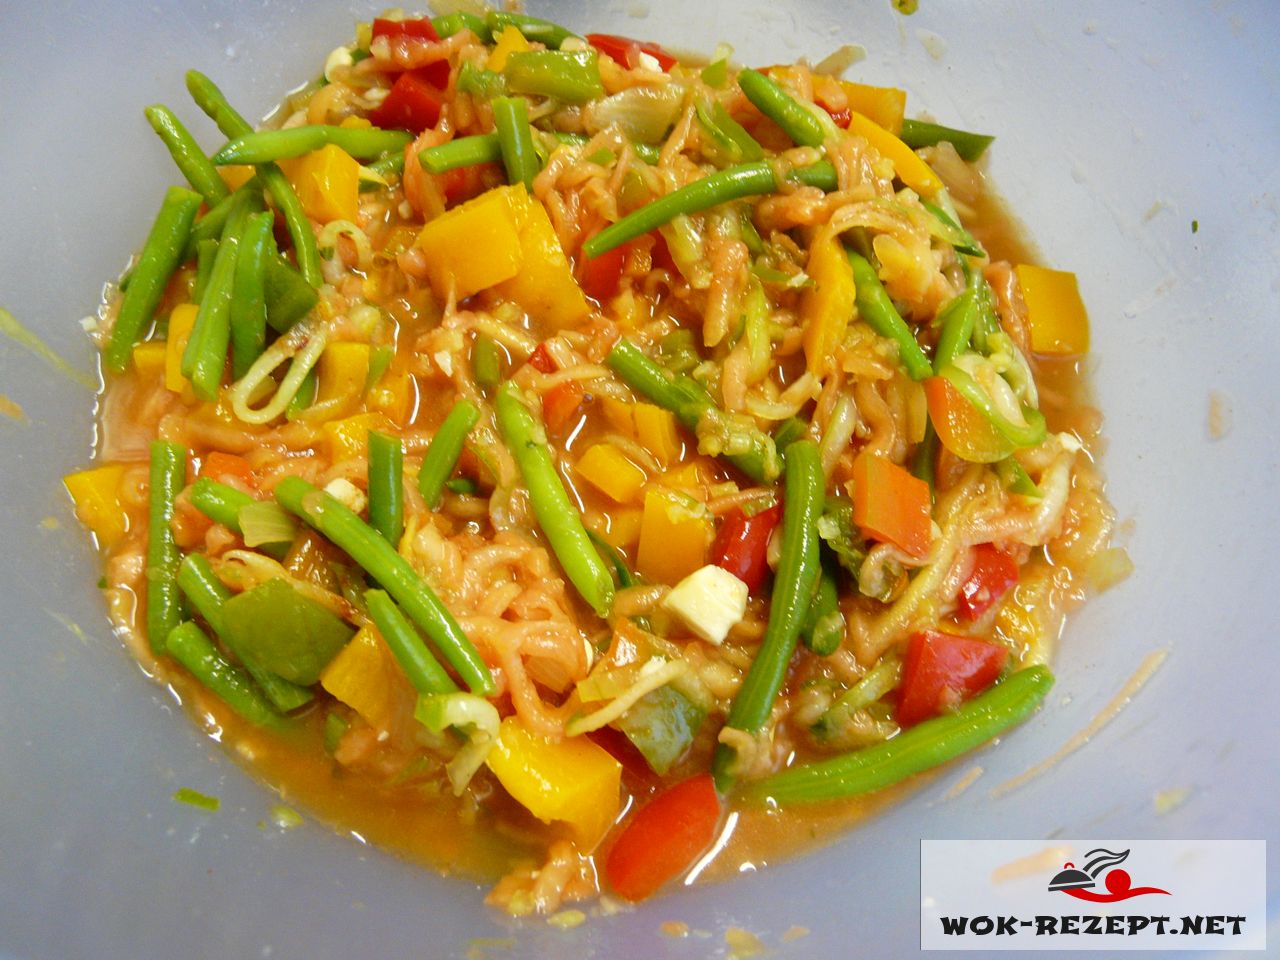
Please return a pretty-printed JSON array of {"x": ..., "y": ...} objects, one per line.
[{"x": 709, "y": 601}]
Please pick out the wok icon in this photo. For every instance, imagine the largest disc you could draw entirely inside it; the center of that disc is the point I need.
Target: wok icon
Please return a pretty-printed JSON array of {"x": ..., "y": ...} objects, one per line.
[
  {"x": 1077, "y": 882},
  {"x": 1072, "y": 878}
]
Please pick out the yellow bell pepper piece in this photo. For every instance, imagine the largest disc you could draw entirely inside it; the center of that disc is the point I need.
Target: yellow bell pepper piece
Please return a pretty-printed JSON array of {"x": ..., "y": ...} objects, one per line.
[
  {"x": 473, "y": 246},
  {"x": 510, "y": 41},
  {"x": 350, "y": 437},
  {"x": 656, "y": 431},
  {"x": 327, "y": 182},
  {"x": 621, "y": 415},
  {"x": 96, "y": 494},
  {"x": 393, "y": 395},
  {"x": 1059, "y": 323},
  {"x": 342, "y": 371},
  {"x": 522, "y": 258},
  {"x": 675, "y": 533},
  {"x": 356, "y": 123},
  {"x": 544, "y": 285},
  {"x": 882, "y": 105},
  {"x": 366, "y": 677},
  {"x": 572, "y": 780},
  {"x": 149, "y": 359},
  {"x": 606, "y": 468},
  {"x": 911, "y": 170},
  {"x": 827, "y": 306},
  {"x": 620, "y": 528},
  {"x": 236, "y": 175},
  {"x": 181, "y": 320}
]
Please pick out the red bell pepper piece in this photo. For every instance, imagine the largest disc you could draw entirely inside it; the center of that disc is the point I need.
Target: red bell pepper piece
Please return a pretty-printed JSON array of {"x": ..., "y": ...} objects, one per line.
[
  {"x": 742, "y": 544},
  {"x": 626, "y": 52},
  {"x": 664, "y": 838},
  {"x": 412, "y": 104},
  {"x": 994, "y": 574},
  {"x": 602, "y": 275},
  {"x": 541, "y": 360},
  {"x": 436, "y": 73},
  {"x": 941, "y": 670},
  {"x": 560, "y": 403}
]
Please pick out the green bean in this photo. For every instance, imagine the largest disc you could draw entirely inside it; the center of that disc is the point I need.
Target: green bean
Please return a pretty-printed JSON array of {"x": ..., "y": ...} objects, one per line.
[
  {"x": 386, "y": 486},
  {"x": 390, "y": 165},
  {"x": 878, "y": 312},
  {"x": 305, "y": 396},
  {"x": 1027, "y": 434},
  {"x": 463, "y": 486},
  {"x": 445, "y": 448},
  {"x": 511, "y": 118},
  {"x": 164, "y": 605},
  {"x": 417, "y": 662},
  {"x": 248, "y": 299},
  {"x": 731, "y": 183},
  {"x": 451, "y": 23},
  {"x": 381, "y": 561},
  {"x": 647, "y": 152},
  {"x": 624, "y": 577},
  {"x": 194, "y": 650},
  {"x": 486, "y": 362},
  {"x": 533, "y": 28},
  {"x": 463, "y": 152},
  {"x": 266, "y": 146},
  {"x": 823, "y": 627},
  {"x": 788, "y": 432},
  {"x": 799, "y": 567},
  {"x": 568, "y": 77},
  {"x": 205, "y": 358},
  {"x": 919, "y": 748},
  {"x": 955, "y": 233},
  {"x": 559, "y": 520},
  {"x": 211, "y": 100},
  {"x": 925, "y": 465},
  {"x": 691, "y": 404},
  {"x": 206, "y": 253},
  {"x": 209, "y": 226},
  {"x": 161, "y": 255},
  {"x": 796, "y": 121},
  {"x": 219, "y": 502},
  {"x": 186, "y": 153},
  {"x": 206, "y": 594},
  {"x": 957, "y": 319},
  {"x": 289, "y": 296},
  {"x": 917, "y": 133}
]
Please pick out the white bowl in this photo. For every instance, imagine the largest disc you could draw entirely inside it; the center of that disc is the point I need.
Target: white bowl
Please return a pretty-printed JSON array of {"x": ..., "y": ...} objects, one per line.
[{"x": 1119, "y": 125}]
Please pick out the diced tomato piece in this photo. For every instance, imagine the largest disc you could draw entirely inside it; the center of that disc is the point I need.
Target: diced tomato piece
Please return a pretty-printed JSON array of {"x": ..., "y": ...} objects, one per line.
[
  {"x": 634, "y": 766},
  {"x": 541, "y": 360},
  {"x": 664, "y": 838},
  {"x": 436, "y": 73},
  {"x": 463, "y": 183},
  {"x": 601, "y": 276},
  {"x": 626, "y": 52},
  {"x": 661, "y": 254},
  {"x": 742, "y": 544},
  {"x": 994, "y": 574},
  {"x": 941, "y": 670},
  {"x": 412, "y": 104},
  {"x": 222, "y": 467},
  {"x": 560, "y": 403},
  {"x": 841, "y": 116}
]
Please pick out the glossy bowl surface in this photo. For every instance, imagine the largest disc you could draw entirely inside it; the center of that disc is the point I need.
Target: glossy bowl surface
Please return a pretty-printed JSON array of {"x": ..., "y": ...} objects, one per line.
[{"x": 1139, "y": 142}]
